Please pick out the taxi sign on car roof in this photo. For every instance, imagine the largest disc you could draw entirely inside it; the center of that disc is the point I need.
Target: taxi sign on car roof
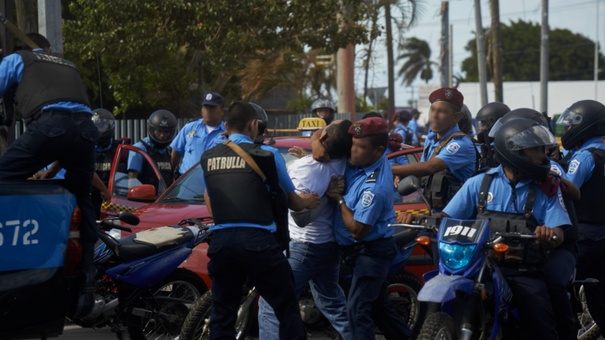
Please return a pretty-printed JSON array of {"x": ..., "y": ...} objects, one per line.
[{"x": 311, "y": 124}]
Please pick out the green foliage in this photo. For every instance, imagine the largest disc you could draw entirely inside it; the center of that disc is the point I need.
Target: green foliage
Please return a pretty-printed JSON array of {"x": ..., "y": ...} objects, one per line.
[
  {"x": 151, "y": 51},
  {"x": 571, "y": 55},
  {"x": 417, "y": 56}
]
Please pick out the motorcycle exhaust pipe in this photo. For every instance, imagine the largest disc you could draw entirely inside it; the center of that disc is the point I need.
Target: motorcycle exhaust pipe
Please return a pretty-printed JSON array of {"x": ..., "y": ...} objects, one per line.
[{"x": 466, "y": 332}]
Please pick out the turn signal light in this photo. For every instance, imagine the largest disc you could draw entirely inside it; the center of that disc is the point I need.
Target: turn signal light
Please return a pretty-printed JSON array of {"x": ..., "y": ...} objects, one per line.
[
  {"x": 423, "y": 240},
  {"x": 500, "y": 247}
]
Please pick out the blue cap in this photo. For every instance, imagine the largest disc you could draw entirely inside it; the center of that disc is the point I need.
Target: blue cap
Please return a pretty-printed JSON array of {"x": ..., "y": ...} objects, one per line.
[{"x": 213, "y": 99}]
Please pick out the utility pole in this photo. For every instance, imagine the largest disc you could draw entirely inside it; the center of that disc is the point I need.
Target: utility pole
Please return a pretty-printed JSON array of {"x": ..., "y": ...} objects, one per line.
[
  {"x": 596, "y": 58},
  {"x": 544, "y": 59},
  {"x": 345, "y": 72},
  {"x": 481, "y": 53},
  {"x": 390, "y": 60},
  {"x": 496, "y": 50},
  {"x": 451, "y": 58},
  {"x": 444, "y": 57},
  {"x": 49, "y": 23}
]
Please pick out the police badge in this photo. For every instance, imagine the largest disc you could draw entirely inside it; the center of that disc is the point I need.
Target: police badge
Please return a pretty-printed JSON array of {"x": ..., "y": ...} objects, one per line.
[{"x": 357, "y": 129}]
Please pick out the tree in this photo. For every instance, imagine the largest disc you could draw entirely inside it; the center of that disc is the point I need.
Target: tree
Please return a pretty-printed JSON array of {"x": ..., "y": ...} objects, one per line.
[
  {"x": 569, "y": 59},
  {"x": 160, "y": 52},
  {"x": 417, "y": 56}
]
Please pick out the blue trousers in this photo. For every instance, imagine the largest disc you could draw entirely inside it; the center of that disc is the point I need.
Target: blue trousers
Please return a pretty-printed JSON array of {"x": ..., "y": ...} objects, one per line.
[
  {"x": 69, "y": 138},
  {"x": 253, "y": 253},
  {"x": 318, "y": 265},
  {"x": 367, "y": 299}
]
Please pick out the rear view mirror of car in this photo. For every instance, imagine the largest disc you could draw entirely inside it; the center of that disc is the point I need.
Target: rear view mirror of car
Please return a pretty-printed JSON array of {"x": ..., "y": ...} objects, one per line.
[{"x": 142, "y": 193}]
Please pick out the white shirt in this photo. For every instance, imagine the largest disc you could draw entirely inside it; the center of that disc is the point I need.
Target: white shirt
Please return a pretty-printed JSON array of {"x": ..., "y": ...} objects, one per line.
[
  {"x": 209, "y": 128},
  {"x": 311, "y": 176}
]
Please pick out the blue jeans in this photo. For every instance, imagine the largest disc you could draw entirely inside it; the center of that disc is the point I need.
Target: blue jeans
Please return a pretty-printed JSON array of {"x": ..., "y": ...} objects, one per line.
[{"x": 318, "y": 265}]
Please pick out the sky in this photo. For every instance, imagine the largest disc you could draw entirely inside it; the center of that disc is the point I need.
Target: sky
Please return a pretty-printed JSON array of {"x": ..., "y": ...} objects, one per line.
[{"x": 579, "y": 16}]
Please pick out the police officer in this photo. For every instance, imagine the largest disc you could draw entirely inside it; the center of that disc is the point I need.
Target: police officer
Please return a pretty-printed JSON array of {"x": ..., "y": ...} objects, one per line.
[
  {"x": 465, "y": 124},
  {"x": 242, "y": 244},
  {"x": 198, "y": 136},
  {"x": 486, "y": 118},
  {"x": 105, "y": 152},
  {"x": 161, "y": 127},
  {"x": 403, "y": 128},
  {"x": 585, "y": 122},
  {"x": 511, "y": 188},
  {"x": 53, "y": 103},
  {"x": 449, "y": 156},
  {"x": 360, "y": 226},
  {"x": 324, "y": 109}
]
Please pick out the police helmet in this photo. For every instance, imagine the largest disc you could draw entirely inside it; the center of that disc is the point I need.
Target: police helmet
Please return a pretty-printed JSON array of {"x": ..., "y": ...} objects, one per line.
[
  {"x": 585, "y": 119},
  {"x": 105, "y": 123},
  {"x": 261, "y": 118},
  {"x": 161, "y": 128},
  {"x": 323, "y": 103},
  {"x": 466, "y": 120},
  {"x": 520, "y": 113},
  {"x": 490, "y": 113},
  {"x": 516, "y": 135}
]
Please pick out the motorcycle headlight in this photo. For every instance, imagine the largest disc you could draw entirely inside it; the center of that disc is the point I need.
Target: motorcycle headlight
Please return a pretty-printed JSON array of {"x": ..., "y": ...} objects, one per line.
[{"x": 456, "y": 256}]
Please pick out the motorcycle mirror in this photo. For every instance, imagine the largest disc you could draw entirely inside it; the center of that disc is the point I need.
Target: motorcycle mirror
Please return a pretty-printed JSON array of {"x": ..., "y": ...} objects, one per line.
[
  {"x": 408, "y": 185},
  {"x": 128, "y": 218}
]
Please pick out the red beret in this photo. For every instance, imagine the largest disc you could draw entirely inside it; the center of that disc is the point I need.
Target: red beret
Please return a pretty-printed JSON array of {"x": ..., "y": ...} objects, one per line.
[
  {"x": 447, "y": 94},
  {"x": 368, "y": 127},
  {"x": 395, "y": 141}
]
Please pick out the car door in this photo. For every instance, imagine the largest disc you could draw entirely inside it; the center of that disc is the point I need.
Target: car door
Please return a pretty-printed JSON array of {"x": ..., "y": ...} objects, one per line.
[{"x": 121, "y": 184}]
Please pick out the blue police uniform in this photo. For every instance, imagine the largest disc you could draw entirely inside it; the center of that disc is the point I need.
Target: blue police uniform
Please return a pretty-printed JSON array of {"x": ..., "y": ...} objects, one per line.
[
  {"x": 249, "y": 250},
  {"x": 135, "y": 160},
  {"x": 193, "y": 140},
  {"x": 414, "y": 126},
  {"x": 591, "y": 244},
  {"x": 399, "y": 160},
  {"x": 369, "y": 196},
  {"x": 404, "y": 131},
  {"x": 459, "y": 154},
  {"x": 537, "y": 298}
]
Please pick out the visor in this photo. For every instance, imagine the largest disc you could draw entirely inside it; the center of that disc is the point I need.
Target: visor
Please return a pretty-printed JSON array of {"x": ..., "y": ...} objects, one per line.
[
  {"x": 495, "y": 128},
  {"x": 569, "y": 118},
  {"x": 103, "y": 125},
  {"x": 537, "y": 135}
]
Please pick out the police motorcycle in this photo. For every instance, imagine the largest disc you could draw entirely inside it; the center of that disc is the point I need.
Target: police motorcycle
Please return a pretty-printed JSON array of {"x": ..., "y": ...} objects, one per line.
[
  {"x": 403, "y": 287},
  {"x": 139, "y": 288}
]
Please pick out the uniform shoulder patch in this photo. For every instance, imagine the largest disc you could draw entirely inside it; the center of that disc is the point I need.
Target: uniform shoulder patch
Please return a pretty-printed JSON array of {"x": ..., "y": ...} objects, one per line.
[
  {"x": 191, "y": 134},
  {"x": 573, "y": 166},
  {"x": 373, "y": 176},
  {"x": 367, "y": 198},
  {"x": 452, "y": 148}
]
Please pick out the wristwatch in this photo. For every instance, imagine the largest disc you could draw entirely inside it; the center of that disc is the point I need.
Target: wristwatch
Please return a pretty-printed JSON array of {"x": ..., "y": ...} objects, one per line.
[{"x": 340, "y": 202}]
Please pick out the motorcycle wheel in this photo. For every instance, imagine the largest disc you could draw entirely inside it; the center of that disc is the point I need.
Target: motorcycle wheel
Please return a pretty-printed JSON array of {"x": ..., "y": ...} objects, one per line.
[
  {"x": 403, "y": 289},
  {"x": 197, "y": 323},
  {"x": 438, "y": 326},
  {"x": 162, "y": 315},
  {"x": 588, "y": 328}
]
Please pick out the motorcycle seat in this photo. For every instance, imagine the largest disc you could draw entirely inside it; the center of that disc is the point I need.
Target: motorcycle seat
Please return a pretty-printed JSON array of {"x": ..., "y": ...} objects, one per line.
[
  {"x": 149, "y": 242},
  {"x": 404, "y": 236}
]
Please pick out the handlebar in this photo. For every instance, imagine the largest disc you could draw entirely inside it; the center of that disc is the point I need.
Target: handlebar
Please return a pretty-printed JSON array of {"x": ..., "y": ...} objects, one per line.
[{"x": 108, "y": 224}]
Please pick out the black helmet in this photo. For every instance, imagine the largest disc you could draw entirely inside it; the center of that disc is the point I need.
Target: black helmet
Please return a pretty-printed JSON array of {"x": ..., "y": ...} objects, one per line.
[
  {"x": 466, "y": 120},
  {"x": 261, "y": 117},
  {"x": 323, "y": 103},
  {"x": 520, "y": 113},
  {"x": 585, "y": 119},
  {"x": 105, "y": 123},
  {"x": 161, "y": 121},
  {"x": 520, "y": 134},
  {"x": 488, "y": 115}
]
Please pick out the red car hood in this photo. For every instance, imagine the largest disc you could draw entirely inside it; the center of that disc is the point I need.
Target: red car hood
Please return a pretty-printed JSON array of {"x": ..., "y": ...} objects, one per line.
[{"x": 157, "y": 215}]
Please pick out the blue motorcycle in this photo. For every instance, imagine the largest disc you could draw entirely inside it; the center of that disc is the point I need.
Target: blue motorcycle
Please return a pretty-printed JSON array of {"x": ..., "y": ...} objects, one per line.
[{"x": 139, "y": 288}]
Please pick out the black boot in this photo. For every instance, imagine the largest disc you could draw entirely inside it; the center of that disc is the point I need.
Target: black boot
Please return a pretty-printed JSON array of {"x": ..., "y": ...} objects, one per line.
[{"x": 86, "y": 299}]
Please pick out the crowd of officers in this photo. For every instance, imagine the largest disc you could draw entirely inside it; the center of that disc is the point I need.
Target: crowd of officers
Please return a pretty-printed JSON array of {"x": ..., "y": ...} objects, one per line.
[{"x": 340, "y": 195}]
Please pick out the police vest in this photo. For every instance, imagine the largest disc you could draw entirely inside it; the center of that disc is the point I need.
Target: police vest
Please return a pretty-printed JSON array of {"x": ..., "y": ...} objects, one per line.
[
  {"x": 238, "y": 193},
  {"x": 442, "y": 186},
  {"x": 488, "y": 157},
  {"x": 47, "y": 79},
  {"x": 591, "y": 205},
  {"x": 162, "y": 162},
  {"x": 104, "y": 161}
]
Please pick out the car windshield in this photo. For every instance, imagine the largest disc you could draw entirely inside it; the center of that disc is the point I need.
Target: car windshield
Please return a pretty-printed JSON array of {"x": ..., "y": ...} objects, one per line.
[{"x": 189, "y": 188}]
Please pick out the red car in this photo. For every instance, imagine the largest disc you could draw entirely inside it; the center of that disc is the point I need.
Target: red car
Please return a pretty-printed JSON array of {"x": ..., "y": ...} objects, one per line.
[{"x": 185, "y": 199}]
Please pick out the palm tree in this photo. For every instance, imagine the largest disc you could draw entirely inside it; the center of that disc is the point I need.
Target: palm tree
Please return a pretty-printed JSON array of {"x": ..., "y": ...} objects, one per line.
[{"x": 417, "y": 56}]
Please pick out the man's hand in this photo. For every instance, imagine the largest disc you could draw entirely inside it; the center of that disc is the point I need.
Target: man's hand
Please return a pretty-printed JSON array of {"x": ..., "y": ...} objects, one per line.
[
  {"x": 547, "y": 235},
  {"x": 336, "y": 188},
  {"x": 404, "y": 218},
  {"x": 311, "y": 201},
  {"x": 106, "y": 195},
  {"x": 297, "y": 151}
]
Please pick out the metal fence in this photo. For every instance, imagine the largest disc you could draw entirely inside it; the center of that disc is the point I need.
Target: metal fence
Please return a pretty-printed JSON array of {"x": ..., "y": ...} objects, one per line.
[{"x": 136, "y": 129}]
